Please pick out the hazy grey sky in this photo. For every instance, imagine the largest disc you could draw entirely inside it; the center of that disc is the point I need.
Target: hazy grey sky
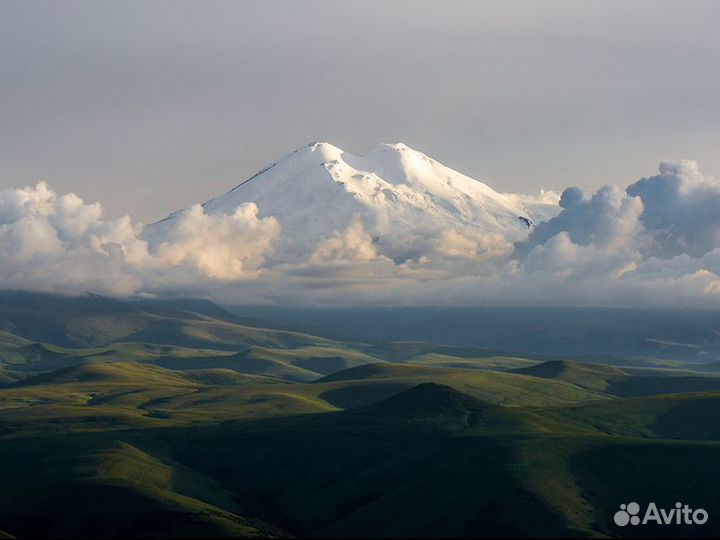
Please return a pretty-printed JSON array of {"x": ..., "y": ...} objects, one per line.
[{"x": 150, "y": 106}]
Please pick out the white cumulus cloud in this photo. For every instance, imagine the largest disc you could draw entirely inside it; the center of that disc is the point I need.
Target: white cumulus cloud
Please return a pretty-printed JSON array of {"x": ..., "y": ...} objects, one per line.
[
  {"x": 655, "y": 242},
  {"x": 60, "y": 243}
]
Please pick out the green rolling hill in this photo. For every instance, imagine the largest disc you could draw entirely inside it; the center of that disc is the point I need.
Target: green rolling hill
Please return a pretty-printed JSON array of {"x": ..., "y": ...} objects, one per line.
[
  {"x": 428, "y": 452},
  {"x": 178, "y": 419}
]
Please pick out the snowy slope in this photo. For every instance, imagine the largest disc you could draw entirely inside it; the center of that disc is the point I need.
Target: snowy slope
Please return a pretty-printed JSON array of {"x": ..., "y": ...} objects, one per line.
[{"x": 400, "y": 194}]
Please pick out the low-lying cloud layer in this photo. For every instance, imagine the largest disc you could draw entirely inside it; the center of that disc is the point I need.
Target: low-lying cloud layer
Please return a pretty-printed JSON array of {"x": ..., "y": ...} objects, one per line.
[
  {"x": 56, "y": 242},
  {"x": 657, "y": 242}
]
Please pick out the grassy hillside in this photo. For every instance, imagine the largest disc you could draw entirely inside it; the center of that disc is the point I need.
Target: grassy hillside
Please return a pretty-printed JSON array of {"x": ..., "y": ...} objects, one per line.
[
  {"x": 570, "y": 332},
  {"x": 94, "y": 321},
  {"x": 445, "y": 464},
  {"x": 178, "y": 419},
  {"x": 116, "y": 396},
  {"x": 123, "y": 395},
  {"x": 590, "y": 376},
  {"x": 418, "y": 451},
  {"x": 122, "y": 490},
  {"x": 490, "y": 386},
  {"x": 621, "y": 383},
  {"x": 301, "y": 364}
]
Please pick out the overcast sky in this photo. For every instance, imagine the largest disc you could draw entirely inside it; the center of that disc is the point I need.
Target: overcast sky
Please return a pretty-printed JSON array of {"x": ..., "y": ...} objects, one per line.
[{"x": 150, "y": 106}]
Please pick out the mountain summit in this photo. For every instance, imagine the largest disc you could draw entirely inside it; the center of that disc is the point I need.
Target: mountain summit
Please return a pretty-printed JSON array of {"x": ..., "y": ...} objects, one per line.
[{"x": 398, "y": 195}]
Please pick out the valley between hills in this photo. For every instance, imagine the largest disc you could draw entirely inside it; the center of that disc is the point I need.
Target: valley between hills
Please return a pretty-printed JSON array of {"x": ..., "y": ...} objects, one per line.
[{"x": 181, "y": 419}]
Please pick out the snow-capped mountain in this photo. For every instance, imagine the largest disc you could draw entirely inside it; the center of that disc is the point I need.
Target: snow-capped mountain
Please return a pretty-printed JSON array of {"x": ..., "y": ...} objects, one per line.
[{"x": 400, "y": 195}]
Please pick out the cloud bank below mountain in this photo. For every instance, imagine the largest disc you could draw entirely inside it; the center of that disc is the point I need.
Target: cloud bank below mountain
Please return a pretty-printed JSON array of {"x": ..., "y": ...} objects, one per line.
[{"x": 657, "y": 242}]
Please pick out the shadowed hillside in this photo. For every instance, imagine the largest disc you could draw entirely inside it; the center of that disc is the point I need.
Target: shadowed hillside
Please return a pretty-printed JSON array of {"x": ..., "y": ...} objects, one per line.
[{"x": 192, "y": 423}]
